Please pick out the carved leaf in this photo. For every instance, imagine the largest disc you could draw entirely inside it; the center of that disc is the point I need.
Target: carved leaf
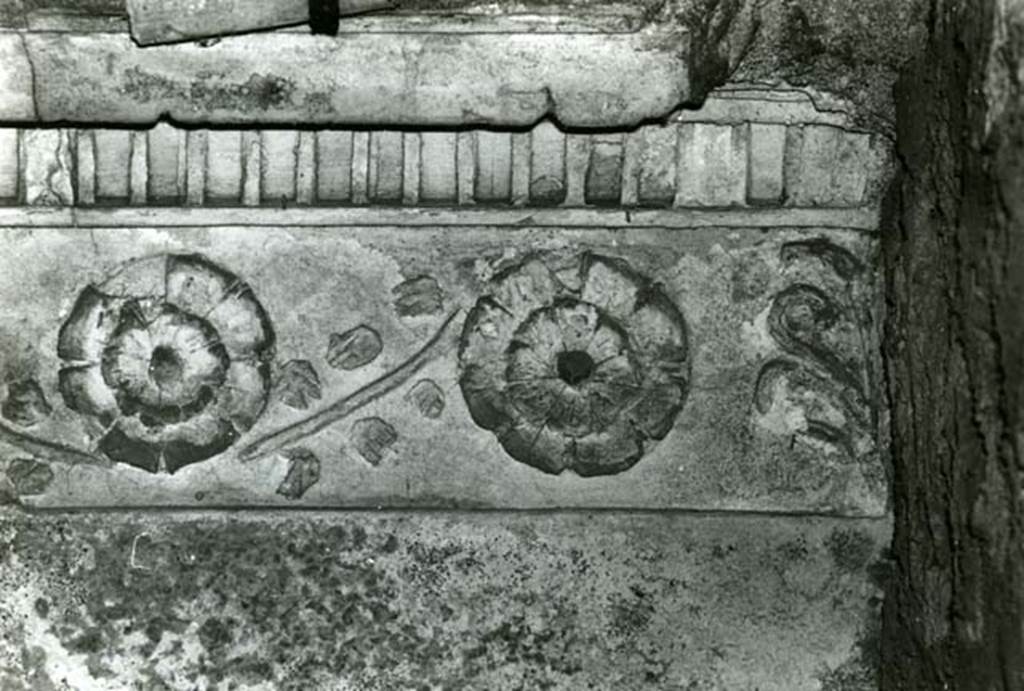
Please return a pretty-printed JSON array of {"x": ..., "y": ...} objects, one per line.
[
  {"x": 372, "y": 437},
  {"x": 303, "y": 473},
  {"x": 354, "y": 348},
  {"x": 29, "y": 476},
  {"x": 298, "y": 384},
  {"x": 428, "y": 398},
  {"x": 25, "y": 404},
  {"x": 418, "y": 296}
]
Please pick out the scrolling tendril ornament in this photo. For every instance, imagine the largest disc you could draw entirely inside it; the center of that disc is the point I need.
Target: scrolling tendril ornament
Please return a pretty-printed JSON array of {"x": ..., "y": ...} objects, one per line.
[
  {"x": 171, "y": 356},
  {"x": 582, "y": 379}
]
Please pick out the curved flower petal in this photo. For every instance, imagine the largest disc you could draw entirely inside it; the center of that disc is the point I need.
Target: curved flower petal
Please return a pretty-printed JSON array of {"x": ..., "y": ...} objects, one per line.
[
  {"x": 539, "y": 402},
  {"x": 484, "y": 397},
  {"x": 658, "y": 329},
  {"x": 618, "y": 374},
  {"x": 538, "y": 446},
  {"x": 200, "y": 439},
  {"x": 608, "y": 340},
  {"x": 656, "y": 411},
  {"x": 125, "y": 363},
  {"x": 243, "y": 325},
  {"x": 89, "y": 326},
  {"x": 529, "y": 364},
  {"x": 197, "y": 285},
  {"x": 605, "y": 404},
  {"x": 541, "y": 333},
  {"x": 486, "y": 331},
  {"x": 610, "y": 284},
  {"x": 243, "y": 396},
  {"x": 522, "y": 288},
  {"x": 141, "y": 278},
  {"x": 171, "y": 446},
  {"x": 607, "y": 452},
  {"x": 572, "y": 416},
  {"x": 85, "y": 391},
  {"x": 578, "y": 322},
  {"x": 122, "y": 446}
]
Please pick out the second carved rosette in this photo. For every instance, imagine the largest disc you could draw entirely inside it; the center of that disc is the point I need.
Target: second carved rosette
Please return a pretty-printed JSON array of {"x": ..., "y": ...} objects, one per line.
[{"x": 581, "y": 370}]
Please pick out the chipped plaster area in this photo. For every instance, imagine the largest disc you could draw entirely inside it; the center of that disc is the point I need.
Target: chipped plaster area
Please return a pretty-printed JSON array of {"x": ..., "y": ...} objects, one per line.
[{"x": 459, "y": 601}]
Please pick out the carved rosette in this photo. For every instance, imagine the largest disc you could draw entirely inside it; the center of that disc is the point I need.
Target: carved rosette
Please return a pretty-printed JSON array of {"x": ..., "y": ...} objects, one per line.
[
  {"x": 170, "y": 355},
  {"x": 581, "y": 378}
]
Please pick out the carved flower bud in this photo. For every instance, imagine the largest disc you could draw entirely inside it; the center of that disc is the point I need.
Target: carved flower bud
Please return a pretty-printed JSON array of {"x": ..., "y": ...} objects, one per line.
[
  {"x": 298, "y": 384},
  {"x": 303, "y": 473},
  {"x": 372, "y": 437},
  {"x": 354, "y": 348},
  {"x": 428, "y": 398}
]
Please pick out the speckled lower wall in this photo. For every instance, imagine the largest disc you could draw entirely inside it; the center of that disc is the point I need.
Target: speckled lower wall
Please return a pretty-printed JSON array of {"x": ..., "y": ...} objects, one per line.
[{"x": 294, "y": 600}]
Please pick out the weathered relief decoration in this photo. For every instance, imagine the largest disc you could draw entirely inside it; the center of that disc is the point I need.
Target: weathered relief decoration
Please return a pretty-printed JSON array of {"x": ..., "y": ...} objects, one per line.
[
  {"x": 568, "y": 367},
  {"x": 170, "y": 357},
  {"x": 580, "y": 371},
  {"x": 821, "y": 388}
]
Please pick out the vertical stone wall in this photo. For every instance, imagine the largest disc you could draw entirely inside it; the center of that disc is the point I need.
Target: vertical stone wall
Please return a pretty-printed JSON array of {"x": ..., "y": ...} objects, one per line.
[{"x": 954, "y": 250}]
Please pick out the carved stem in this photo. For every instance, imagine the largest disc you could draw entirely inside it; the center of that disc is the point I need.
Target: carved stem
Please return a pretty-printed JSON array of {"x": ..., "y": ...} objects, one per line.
[
  {"x": 49, "y": 451},
  {"x": 279, "y": 439}
]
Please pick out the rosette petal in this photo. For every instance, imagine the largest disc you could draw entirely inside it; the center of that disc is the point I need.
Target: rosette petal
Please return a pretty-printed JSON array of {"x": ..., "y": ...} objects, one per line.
[
  {"x": 609, "y": 284},
  {"x": 243, "y": 325},
  {"x": 93, "y": 319},
  {"x": 610, "y": 451},
  {"x": 522, "y": 288},
  {"x": 538, "y": 446},
  {"x": 85, "y": 391},
  {"x": 140, "y": 279},
  {"x": 658, "y": 329},
  {"x": 244, "y": 394},
  {"x": 196, "y": 285}
]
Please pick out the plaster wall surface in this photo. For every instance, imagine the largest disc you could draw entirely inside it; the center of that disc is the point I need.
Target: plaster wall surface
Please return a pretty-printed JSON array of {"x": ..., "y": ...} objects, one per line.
[{"x": 494, "y": 407}]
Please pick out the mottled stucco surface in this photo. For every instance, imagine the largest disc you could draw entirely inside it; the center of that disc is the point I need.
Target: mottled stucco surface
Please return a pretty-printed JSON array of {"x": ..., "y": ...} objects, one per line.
[{"x": 299, "y": 600}]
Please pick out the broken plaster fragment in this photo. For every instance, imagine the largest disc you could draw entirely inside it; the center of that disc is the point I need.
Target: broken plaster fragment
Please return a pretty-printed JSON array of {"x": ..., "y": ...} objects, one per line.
[
  {"x": 354, "y": 348},
  {"x": 303, "y": 473},
  {"x": 372, "y": 438}
]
